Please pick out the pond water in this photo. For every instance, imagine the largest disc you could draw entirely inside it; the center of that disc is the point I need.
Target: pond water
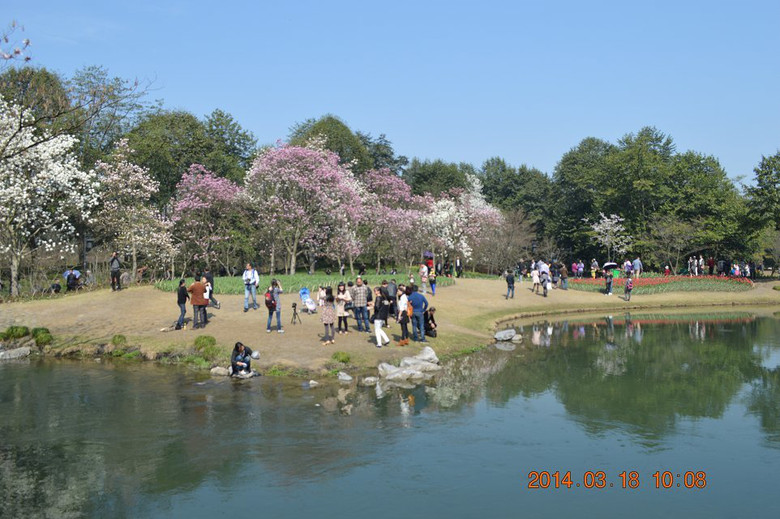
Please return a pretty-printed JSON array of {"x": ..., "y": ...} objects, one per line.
[{"x": 695, "y": 395}]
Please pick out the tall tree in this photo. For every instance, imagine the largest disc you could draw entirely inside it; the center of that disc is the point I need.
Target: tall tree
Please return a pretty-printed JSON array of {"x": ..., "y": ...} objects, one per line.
[
  {"x": 436, "y": 176},
  {"x": 765, "y": 195},
  {"x": 233, "y": 147},
  {"x": 167, "y": 143},
  {"x": 338, "y": 138},
  {"x": 383, "y": 154}
]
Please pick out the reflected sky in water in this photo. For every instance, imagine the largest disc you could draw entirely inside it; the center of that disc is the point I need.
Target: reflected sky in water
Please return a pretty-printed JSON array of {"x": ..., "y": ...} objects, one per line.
[{"x": 631, "y": 392}]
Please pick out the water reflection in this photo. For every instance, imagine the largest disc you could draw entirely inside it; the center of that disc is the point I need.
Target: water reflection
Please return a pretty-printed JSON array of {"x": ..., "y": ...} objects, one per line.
[{"x": 113, "y": 439}]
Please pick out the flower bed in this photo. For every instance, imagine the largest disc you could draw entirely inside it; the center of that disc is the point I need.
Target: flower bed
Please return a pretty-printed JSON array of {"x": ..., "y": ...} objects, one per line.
[{"x": 660, "y": 284}]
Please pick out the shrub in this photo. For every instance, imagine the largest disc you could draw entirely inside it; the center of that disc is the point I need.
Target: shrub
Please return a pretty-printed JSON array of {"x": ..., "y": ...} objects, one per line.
[
  {"x": 36, "y": 331},
  {"x": 17, "y": 332},
  {"x": 196, "y": 361},
  {"x": 132, "y": 355},
  {"x": 210, "y": 353},
  {"x": 43, "y": 338},
  {"x": 118, "y": 340},
  {"x": 341, "y": 356}
]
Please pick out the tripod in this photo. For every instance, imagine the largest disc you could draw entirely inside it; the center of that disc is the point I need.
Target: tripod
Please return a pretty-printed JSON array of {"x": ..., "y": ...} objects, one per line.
[{"x": 295, "y": 316}]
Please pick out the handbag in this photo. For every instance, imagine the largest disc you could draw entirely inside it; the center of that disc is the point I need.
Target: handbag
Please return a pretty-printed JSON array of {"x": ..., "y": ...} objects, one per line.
[{"x": 348, "y": 305}]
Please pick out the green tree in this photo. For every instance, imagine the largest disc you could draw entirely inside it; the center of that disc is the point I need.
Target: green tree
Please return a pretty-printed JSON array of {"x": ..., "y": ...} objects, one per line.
[
  {"x": 233, "y": 147},
  {"x": 338, "y": 139},
  {"x": 42, "y": 93},
  {"x": 383, "y": 154},
  {"x": 436, "y": 176},
  {"x": 167, "y": 143},
  {"x": 765, "y": 195}
]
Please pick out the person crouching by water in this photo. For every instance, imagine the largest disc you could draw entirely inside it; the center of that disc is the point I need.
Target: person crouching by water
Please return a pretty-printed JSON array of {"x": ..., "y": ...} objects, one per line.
[
  {"x": 430, "y": 321},
  {"x": 182, "y": 298},
  {"x": 241, "y": 359}
]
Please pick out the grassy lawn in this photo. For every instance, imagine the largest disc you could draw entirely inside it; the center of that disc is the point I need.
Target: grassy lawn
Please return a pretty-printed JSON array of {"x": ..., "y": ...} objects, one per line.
[{"x": 293, "y": 283}]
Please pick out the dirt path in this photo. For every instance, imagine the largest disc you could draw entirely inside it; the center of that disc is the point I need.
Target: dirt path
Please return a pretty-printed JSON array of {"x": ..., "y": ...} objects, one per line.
[{"x": 466, "y": 314}]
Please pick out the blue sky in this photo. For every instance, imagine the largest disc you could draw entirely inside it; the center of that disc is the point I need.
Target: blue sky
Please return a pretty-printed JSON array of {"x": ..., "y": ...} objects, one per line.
[{"x": 460, "y": 81}]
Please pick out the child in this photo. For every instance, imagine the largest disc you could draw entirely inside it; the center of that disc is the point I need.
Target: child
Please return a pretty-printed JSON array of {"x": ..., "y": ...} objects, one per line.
[
  {"x": 545, "y": 279},
  {"x": 629, "y": 286},
  {"x": 328, "y": 316},
  {"x": 535, "y": 279}
]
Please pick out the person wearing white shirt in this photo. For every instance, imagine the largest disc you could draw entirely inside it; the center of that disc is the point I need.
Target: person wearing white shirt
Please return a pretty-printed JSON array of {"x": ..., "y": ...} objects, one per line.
[{"x": 251, "y": 281}]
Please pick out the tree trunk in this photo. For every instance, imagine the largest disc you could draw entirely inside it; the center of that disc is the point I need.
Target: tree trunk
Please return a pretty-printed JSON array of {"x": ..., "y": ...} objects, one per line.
[
  {"x": 312, "y": 262},
  {"x": 378, "y": 262},
  {"x": 135, "y": 261},
  {"x": 15, "y": 275},
  {"x": 272, "y": 264},
  {"x": 351, "y": 265},
  {"x": 293, "y": 259}
]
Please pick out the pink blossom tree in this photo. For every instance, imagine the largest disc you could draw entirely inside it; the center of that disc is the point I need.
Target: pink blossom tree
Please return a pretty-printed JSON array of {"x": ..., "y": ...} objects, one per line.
[
  {"x": 304, "y": 197},
  {"x": 202, "y": 208}
]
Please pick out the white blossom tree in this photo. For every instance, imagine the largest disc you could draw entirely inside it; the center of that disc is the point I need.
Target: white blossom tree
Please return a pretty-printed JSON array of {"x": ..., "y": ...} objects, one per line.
[
  {"x": 42, "y": 189},
  {"x": 611, "y": 234},
  {"x": 127, "y": 216}
]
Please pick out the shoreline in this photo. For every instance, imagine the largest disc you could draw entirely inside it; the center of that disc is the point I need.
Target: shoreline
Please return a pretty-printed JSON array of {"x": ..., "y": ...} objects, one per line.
[{"x": 468, "y": 313}]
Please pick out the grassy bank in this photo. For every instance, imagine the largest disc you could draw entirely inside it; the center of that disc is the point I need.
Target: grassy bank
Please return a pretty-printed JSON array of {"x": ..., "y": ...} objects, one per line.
[{"x": 657, "y": 284}]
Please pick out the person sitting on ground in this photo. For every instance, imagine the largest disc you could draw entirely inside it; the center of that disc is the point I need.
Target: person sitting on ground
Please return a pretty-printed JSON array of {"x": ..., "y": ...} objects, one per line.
[
  {"x": 241, "y": 359},
  {"x": 430, "y": 321}
]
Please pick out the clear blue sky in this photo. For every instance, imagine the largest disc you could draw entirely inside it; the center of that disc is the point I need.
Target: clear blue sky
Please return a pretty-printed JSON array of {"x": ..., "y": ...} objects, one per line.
[{"x": 460, "y": 81}]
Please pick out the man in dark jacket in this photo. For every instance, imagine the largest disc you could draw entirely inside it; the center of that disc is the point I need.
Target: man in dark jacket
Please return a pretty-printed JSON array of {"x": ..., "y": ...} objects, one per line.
[
  {"x": 241, "y": 359},
  {"x": 182, "y": 297},
  {"x": 114, "y": 265}
]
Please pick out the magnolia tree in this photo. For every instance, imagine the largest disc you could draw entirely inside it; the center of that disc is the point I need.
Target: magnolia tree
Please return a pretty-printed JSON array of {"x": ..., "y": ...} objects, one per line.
[
  {"x": 610, "y": 233},
  {"x": 461, "y": 219},
  {"x": 42, "y": 189},
  {"x": 201, "y": 210},
  {"x": 127, "y": 216},
  {"x": 304, "y": 197}
]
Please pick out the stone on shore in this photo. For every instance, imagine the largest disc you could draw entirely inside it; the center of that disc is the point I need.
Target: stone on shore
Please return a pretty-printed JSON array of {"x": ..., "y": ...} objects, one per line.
[
  {"x": 343, "y": 377},
  {"x": 17, "y": 353},
  {"x": 219, "y": 371},
  {"x": 505, "y": 335}
]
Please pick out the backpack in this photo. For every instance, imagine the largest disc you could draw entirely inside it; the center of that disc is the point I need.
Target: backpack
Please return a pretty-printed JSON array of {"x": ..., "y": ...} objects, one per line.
[{"x": 270, "y": 302}]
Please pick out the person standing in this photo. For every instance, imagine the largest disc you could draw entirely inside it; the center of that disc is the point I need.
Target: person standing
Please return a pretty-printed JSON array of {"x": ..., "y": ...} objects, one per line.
[
  {"x": 535, "y": 279},
  {"x": 327, "y": 317},
  {"x": 360, "y": 294},
  {"x": 510, "y": 285},
  {"x": 594, "y": 268},
  {"x": 182, "y": 297},
  {"x": 381, "y": 311},
  {"x": 342, "y": 298},
  {"x": 458, "y": 267},
  {"x": 392, "y": 293},
  {"x": 210, "y": 278},
  {"x": 564, "y": 278},
  {"x": 545, "y": 279},
  {"x": 115, "y": 267},
  {"x": 251, "y": 282},
  {"x": 638, "y": 267},
  {"x": 419, "y": 305},
  {"x": 403, "y": 314},
  {"x": 274, "y": 291},
  {"x": 432, "y": 282},
  {"x": 197, "y": 289},
  {"x": 608, "y": 276},
  {"x": 207, "y": 297}
]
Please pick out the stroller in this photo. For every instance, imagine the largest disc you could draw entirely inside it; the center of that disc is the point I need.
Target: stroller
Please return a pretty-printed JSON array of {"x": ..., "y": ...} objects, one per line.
[{"x": 308, "y": 302}]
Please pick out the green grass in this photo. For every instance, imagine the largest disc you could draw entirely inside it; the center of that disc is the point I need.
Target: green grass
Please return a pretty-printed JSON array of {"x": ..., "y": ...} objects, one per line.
[
  {"x": 293, "y": 284},
  {"x": 16, "y": 332},
  {"x": 341, "y": 356},
  {"x": 119, "y": 340},
  {"x": 660, "y": 284}
]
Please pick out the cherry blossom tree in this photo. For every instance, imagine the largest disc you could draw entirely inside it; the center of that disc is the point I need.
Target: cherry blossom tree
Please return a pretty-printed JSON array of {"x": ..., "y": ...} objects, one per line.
[
  {"x": 203, "y": 202},
  {"x": 127, "y": 216},
  {"x": 42, "y": 189},
  {"x": 303, "y": 196}
]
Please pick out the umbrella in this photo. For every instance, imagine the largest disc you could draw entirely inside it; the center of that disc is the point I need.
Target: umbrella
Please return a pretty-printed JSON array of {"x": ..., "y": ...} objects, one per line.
[
  {"x": 67, "y": 272},
  {"x": 610, "y": 265}
]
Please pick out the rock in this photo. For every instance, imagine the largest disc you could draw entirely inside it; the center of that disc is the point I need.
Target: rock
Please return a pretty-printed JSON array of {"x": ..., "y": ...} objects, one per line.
[
  {"x": 219, "y": 371},
  {"x": 244, "y": 374},
  {"x": 368, "y": 381},
  {"x": 313, "y": 383},
  {"x": 505, "y": 335},
  {"x": 343, "y": 377},
  {"x": 419, "y": 365},
  {"x": 17, "y": 353},
  {"x": 255, "y": 354},
  {"x": 517, "y": 338},
  {"x": 427, "y": 354}
]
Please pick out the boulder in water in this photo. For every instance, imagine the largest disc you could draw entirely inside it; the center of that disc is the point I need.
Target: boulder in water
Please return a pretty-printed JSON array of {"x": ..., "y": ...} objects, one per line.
[
  {"x": 505, "y": 335},
  {"x": 343, "y": 377},
  {"x": 219, "y": 371},
  {"x": 368, "y": 381},
  {"x": 419, "y": 365},
  {"x": 427, "y": 354}
]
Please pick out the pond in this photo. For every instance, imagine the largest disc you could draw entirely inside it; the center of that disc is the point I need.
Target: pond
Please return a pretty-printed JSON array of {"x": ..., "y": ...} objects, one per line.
[{"x": 643, "y": 414}]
